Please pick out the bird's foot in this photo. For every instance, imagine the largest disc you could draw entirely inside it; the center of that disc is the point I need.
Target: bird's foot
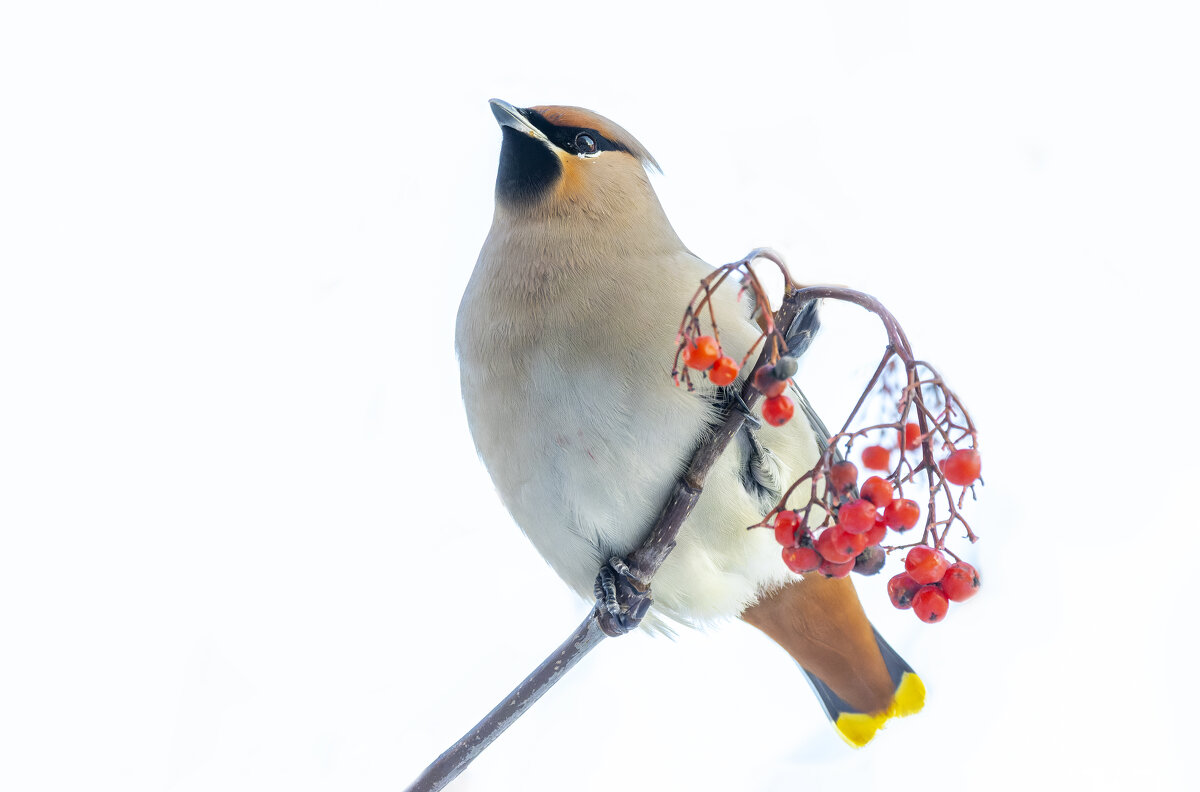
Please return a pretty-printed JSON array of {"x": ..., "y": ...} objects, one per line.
[{"x": 622, "y": 597}]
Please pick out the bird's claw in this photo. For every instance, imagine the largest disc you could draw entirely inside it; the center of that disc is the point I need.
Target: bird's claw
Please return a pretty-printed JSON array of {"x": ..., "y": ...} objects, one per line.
[
  {"x": 740, "y": 405},
  {"x": 622, "y": 599}
]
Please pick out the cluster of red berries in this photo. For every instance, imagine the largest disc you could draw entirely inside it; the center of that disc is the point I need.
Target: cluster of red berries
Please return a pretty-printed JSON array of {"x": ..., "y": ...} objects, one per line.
[
  {"x": 961, "y": 467},
  {"x": 704, "y": 354},
  {"x": 930, "y": 583},
  {"x": 860, "y": 526}
]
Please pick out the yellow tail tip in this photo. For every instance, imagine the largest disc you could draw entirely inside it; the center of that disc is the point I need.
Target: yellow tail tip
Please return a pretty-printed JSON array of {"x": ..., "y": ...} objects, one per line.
[
  {"x": 909, "y": 698},
  {"x": 858, "y": 728}
]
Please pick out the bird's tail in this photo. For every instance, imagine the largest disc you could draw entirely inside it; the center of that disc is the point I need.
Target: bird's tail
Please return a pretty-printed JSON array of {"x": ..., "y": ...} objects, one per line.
[
  {"x": 858, "y": 728},
  {"x": 861, "y": 681}
]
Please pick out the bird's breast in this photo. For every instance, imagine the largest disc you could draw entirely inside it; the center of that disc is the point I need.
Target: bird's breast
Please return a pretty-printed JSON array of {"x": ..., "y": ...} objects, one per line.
[{"x": 571, "y": 404}]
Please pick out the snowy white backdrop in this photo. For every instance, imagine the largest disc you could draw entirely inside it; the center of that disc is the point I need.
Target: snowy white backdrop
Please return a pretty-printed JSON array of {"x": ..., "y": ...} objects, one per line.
[{"x": 245, "y": 542}]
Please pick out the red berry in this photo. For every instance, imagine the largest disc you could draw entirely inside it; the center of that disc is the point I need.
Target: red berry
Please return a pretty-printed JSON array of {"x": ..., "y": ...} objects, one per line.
[
  {"x": 876, "y": 458},
  {"x": 843, "y": 476},
  {"x": 786, "y": 523},
  {"x": 878, "y": 491},
  {"x": 962, "y": 466},
  {"x": 801, "y": 559},
  {"x": 901, "y": 514},
  {"x": 911, "y": 433},
  {"x": 925, "y": 564},
  {"x": 930, "y": 604},
  {"x": 835, "y": 570},
  {"x": 723, "y": 372},
  {"x": 877, "y": 533},
  {"x": 826, "y": 547},
  {"x": 961, "y": 582},
  {"x": 701, "y": 352},
  {"x": 901, "y": 589},
  {"x": 766, "y": 382},
  {"x": 847, "y": 543},
  {"x": 857, "y": 516},
  {"x": 778, "y": 410}
]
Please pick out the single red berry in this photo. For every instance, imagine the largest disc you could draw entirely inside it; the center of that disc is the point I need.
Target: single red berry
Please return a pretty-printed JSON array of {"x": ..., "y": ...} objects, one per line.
[
  {"x": 857, "y": 516},
  {"x": 930, "y": 604},
  {"x": 835, "y": 570},
  {"x": 876, "y": 458},
  {"x": 877, "y": 533},
  {"x": 786, "y": 523},
  {"x": 878, "y": 491},
  {"x": 911, "y": 433},
  {"x": 828, "y": 550},
  {"x": 846, "y": 543},
  {"x": 801, "y": 559},
  {"x": 724, "y": 371},
  {"x": 843, "y": 476},
  {"x": 961, "y": 582},
  {"x": 901, "y": 514},
  {"x": 925, "y": 564},
  {"x": 901, "y": 589},
  {"x": 767, "y": 383},
  {"x": 701, "y": 353},
  {"x": 962, "y": 466},
  {"x": 778, "y": 410}
]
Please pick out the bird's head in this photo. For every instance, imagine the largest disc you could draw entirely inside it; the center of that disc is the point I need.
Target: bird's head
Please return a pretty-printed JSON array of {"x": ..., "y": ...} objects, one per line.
[{"x": 567, "y": 160}]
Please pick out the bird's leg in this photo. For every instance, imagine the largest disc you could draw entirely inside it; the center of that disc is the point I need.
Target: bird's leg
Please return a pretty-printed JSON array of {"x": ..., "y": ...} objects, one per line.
[{"x": 623, "y": 598}]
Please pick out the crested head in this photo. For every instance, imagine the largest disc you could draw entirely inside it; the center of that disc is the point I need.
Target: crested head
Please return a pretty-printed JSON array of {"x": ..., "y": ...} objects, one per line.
[{"x": 558, "y": 157}]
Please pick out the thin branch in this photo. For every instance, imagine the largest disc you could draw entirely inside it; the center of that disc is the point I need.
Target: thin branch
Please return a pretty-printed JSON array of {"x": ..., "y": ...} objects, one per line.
[{"x": 446, "y": 767}]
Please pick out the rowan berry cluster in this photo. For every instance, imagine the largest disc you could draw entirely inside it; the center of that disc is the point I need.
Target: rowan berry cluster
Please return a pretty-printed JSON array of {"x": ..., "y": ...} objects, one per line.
[
  {"x": 842, "y": 528},
  {"x": 931, "y": 581}
]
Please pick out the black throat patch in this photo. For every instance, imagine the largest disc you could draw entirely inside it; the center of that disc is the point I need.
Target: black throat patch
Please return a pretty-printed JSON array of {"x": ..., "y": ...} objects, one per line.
[{"x": 528, "y": 168}]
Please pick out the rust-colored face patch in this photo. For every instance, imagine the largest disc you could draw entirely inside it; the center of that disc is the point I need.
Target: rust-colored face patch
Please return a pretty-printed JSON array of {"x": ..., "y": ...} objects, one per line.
[{"x": 572, "y": 182}]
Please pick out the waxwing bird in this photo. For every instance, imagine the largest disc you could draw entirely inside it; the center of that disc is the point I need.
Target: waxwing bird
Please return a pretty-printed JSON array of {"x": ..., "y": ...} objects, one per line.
[{"x": 565, "y": 338}]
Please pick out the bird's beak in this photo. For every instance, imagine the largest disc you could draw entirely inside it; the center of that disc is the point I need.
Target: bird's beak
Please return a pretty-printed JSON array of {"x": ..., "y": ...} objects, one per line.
[{"x": 512, "y": 117}]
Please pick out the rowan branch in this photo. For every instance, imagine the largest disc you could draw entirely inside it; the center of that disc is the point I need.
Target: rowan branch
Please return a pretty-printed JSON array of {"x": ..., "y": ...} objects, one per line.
[{"x": 638, "y": 570}]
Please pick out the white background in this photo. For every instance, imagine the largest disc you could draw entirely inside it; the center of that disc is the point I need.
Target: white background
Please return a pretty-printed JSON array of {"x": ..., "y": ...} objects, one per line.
[{"x": 245, "y": 541}]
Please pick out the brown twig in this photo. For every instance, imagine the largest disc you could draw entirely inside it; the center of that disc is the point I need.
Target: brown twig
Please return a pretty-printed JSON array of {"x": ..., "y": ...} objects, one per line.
[{"x": 446, "y": 767}]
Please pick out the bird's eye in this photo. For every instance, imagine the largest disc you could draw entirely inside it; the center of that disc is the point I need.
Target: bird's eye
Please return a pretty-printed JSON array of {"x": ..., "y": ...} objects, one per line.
[{"x": 585, "y": 143}]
